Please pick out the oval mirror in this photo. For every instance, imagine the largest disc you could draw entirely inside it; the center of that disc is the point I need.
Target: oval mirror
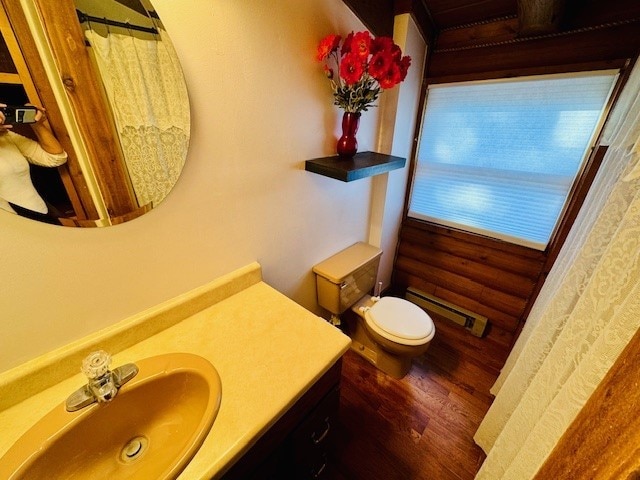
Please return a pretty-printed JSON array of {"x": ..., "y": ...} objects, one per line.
[{"x": 115, "y": 103}]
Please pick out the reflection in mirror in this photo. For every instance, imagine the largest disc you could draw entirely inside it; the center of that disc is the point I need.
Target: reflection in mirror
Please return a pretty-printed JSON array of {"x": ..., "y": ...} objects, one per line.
[
  {"x": 146, "y": 91},
  {"x": 114, "y": 173}
]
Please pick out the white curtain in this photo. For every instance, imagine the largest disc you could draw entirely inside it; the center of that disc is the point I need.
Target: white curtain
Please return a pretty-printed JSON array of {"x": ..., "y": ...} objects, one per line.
[
  {"x": 587, "y": 311},
  {"x": 146, "y": 89}
]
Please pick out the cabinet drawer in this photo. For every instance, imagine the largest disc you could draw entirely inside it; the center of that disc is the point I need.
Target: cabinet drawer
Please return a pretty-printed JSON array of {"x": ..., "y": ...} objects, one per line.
[
  {"x": 309, "y": 442},
  {"x": 315, "y": 429}
]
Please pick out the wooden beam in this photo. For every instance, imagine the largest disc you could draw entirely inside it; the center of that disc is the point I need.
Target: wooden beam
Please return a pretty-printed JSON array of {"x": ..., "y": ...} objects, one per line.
[
  {"x": 421, "y": 15},
  {"x": 604, "y": 44},
  {"x": 537, "y": 17},
  {"x": 377, "y": 15}
]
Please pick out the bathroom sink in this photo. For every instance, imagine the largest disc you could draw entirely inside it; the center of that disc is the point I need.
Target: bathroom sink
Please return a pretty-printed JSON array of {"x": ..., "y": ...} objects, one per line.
[{"x": 151, "y": 429}]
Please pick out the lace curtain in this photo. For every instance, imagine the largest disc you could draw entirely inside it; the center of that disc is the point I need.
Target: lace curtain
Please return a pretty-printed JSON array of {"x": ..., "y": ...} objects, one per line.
[
  {"x": 587, "y": 311},
  {"x": 146, "y": 89}
]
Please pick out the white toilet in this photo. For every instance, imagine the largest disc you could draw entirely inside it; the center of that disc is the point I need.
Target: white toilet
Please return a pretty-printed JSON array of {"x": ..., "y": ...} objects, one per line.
[{"x": 389, "y": 332}]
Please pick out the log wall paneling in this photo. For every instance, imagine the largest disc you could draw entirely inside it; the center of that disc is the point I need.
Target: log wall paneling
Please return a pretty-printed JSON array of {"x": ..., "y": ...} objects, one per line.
[
  {"x": 485, "y": 276},
  {"x": 490, "y": 277},
  {"x": 483, "y": 272}
]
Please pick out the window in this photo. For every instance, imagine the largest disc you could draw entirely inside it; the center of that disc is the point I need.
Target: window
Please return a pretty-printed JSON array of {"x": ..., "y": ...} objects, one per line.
[{"x": 499, "y": 157}]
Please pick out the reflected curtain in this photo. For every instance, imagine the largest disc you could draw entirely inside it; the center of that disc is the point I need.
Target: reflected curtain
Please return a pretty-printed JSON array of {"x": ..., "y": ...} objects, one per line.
[
  {"x": 587, "y": 311},
  {"x": 146, "y": 89}
]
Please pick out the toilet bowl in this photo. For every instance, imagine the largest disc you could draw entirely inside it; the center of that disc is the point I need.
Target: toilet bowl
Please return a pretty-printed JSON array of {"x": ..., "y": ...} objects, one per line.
[{"x": 388, "y": 332}]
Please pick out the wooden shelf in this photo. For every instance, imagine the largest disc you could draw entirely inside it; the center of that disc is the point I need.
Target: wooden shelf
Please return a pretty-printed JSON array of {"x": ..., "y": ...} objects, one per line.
[{"x": 362, "y": 165}]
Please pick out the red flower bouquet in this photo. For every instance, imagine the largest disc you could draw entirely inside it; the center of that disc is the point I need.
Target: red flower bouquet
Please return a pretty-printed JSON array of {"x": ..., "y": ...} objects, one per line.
[{"x": 363, "y": 66}]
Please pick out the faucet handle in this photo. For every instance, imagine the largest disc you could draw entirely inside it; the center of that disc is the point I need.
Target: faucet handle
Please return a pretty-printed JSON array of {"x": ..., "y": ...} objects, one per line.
[{"x": 96, "y": 364}]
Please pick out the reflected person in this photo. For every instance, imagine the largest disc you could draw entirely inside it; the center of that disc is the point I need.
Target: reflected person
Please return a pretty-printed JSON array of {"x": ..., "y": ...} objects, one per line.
[{"x": 16, "y": 152}]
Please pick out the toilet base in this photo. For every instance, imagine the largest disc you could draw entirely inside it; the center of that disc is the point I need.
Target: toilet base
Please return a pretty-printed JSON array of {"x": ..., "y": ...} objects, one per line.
[
  {"x": 393, "y": 364},
  {"x": 395, "y": 367}
]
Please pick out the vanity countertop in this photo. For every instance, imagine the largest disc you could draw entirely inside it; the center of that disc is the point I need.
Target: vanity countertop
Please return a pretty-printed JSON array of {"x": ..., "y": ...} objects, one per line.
[{"x": 267, "y": 349}]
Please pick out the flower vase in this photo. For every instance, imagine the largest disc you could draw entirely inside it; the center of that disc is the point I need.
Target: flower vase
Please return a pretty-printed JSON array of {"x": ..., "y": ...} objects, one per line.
[{"x": 348, "y": 144}]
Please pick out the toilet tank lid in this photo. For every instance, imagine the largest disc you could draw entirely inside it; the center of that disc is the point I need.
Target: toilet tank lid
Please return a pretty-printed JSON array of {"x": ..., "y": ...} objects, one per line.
[{"x": 339, "y": 266}]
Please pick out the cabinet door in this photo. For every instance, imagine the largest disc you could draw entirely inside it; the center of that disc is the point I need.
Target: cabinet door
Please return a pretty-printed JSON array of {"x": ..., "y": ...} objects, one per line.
[
  {"x": 297, "y": 445},
  {"x": 309, "y": 441}
]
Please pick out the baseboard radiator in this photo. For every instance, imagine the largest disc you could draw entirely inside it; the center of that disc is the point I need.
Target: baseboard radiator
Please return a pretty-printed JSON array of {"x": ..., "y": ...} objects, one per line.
[{"x": 473, "y": 322}]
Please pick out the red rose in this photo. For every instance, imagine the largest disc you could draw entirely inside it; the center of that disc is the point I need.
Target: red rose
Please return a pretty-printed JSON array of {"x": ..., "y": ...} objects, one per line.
[
  {"x": 391, "y": 77},
  {"x": 381, "y": 44},
  {"x": 346, "y": 45},
  {"x": 360, "y": 44},
  {"x": 328, "y": 45},
  {"x": 379, "y": 64},
  {"x": 396, "y": 52},
  {"x": 351, "y": 69}
]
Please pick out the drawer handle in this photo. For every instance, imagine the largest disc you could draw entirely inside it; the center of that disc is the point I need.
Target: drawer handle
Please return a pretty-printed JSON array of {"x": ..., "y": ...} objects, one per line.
[
  {"x": 319, "y": 438},
  {"x": 317, "y": 473}
]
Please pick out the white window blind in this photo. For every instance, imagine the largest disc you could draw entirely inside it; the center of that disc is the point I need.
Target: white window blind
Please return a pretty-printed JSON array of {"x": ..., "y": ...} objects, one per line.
[{"x": 499, "y": 158}]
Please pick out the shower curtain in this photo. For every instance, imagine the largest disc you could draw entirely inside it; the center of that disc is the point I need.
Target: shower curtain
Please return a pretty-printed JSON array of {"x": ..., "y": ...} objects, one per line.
[
  {"x": 587, "y": 311},
  {"x": 146, "y": 89}
]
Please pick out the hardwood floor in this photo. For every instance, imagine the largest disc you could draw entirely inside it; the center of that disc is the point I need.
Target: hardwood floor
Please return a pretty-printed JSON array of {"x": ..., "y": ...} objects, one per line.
[{"x": 422, "y": 426}]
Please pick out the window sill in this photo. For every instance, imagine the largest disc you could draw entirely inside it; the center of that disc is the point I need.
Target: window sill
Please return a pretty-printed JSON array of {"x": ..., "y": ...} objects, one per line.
[{"x": 362, "y": 165}]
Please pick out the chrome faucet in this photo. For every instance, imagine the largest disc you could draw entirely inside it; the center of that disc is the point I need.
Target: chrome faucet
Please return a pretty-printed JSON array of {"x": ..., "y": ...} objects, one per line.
[{"x": 103, "y": 383}]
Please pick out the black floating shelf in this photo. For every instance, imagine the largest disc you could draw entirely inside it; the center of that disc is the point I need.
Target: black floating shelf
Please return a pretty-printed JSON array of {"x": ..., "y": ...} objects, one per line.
[{"x": 362, "y": 165}]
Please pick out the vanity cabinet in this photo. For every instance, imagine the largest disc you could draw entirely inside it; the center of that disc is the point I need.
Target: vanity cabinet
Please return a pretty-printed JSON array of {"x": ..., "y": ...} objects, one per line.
[{"x": 297, "y": 445}]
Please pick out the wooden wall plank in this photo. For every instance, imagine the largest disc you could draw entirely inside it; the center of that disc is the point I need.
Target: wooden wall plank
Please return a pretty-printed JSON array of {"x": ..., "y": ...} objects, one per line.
[
  {"x": 602, "y": 442},
  {"x": 475, "y": 239},
  {"x": 438, "y": 276},
  {"x": 498, "y": 31},
  {"x": 578, "y": 47},
  {"x": 579, "y": 16},
  {"x": 505, "y": 281},
  {"x": 448, "y": 13},
  {"x": 496, "y": 317},
  {"x": 506, "y": 256},
  {"x": 502, "y": 309}
]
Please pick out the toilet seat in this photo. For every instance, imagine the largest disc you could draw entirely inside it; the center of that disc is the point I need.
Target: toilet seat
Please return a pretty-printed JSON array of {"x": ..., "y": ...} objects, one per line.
[{"x": 400, "y": 321}]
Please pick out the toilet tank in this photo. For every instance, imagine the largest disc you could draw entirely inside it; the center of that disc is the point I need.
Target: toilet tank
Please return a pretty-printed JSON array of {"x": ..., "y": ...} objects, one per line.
[{"x": 347, "y": 276}]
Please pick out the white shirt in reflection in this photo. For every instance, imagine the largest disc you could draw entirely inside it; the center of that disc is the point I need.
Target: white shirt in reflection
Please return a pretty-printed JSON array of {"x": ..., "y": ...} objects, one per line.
[{"x": 16, "y": 152}]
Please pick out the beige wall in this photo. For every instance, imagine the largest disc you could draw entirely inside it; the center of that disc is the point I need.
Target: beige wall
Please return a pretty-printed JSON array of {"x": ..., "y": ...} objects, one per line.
[{"x": 260, "y": 107}]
